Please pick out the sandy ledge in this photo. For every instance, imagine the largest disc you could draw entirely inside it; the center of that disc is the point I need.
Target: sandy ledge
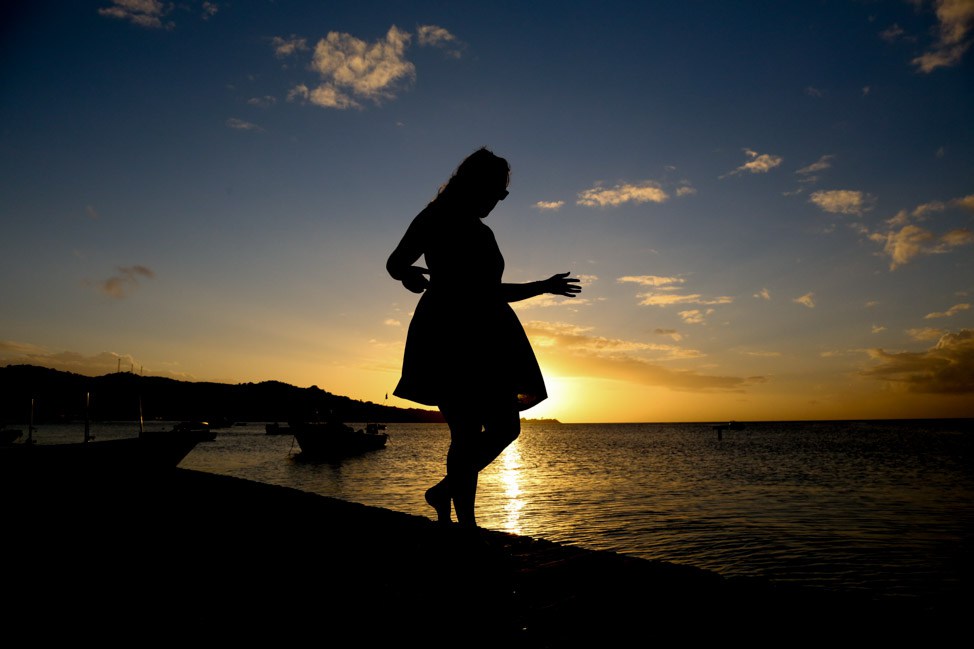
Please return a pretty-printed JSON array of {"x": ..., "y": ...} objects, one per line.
[{"x": 212, "y": 558}]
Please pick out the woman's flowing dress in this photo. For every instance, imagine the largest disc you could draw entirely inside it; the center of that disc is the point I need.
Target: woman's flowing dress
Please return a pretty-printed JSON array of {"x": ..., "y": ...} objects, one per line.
[{"x": 464, "y": 339}]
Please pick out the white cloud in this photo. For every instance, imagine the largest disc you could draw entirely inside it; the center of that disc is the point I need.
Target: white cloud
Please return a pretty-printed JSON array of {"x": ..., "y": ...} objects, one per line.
[
  {"x": 392, "y": 322},
  {"x": 764, "y": 294},
  {"x": 549, "y": 205},
  {"x": 878, "y": 329},
  {"x": 666, "y": 283},
  {"x": 841, "y": 201},
  {"x": 144, "y": 13},
  {"x": 369, "y": 71},
  {"x": 353, "y": 71},
  {"x": 669, "y": 299},
  {"x": 956, "y": 20},
  {"x": 644, "y": 192}
]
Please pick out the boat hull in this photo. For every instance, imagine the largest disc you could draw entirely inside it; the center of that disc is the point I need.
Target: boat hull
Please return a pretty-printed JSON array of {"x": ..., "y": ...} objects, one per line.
[
  {"x": 335, "y": 441},
  {"x": 144, "y": 456}
]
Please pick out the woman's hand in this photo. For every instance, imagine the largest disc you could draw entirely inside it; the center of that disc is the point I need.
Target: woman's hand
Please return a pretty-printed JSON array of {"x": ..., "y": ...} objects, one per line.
[
  {"x": 415, "y": 279},
  {"x": 561, "y": 284}
]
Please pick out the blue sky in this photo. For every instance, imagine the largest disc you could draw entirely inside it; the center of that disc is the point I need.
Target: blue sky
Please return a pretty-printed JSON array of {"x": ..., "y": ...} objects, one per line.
[{"x": 769, "y": 204}]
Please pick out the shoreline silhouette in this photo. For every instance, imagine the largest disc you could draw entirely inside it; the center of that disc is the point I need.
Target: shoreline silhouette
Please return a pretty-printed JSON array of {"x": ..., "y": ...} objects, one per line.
[{"x": 210, "y": 556}]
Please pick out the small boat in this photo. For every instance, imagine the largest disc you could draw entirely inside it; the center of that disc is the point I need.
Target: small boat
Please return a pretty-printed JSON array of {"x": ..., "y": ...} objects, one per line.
[
  {"x": 276, "y": 429},
  {"x": 90, "y": 461},
  {"x": 202, "y": 428},
  {"x": 336, "y": 440},
  {"x": 731, "y": 425},
  {"x": 147, "y": 454}
]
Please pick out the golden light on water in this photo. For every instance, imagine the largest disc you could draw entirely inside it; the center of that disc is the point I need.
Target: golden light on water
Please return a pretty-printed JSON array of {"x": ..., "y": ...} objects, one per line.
[{"x": 509, "y": 475}]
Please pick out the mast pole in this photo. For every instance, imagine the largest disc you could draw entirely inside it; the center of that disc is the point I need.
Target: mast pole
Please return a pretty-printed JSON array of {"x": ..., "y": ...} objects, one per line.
[{"x": 87, "y": 425}]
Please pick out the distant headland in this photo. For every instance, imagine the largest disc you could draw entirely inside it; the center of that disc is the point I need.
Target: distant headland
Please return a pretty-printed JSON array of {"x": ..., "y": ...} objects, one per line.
[{"x": 61, "y": 397}]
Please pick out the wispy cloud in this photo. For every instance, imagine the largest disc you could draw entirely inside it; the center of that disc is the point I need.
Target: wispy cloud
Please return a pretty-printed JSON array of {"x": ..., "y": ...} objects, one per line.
[
  {"x": 669, "y": 299},
  {"x": 809, "y": 173},
  {"x": 127, "y": 280},
  {"x": 665, "y": 295},
  {"x": 647, "y": 191},
  {"x": 549, "y": 205},
  {"x": 673, "y": 334},
  {"x": 763, "y": 294},
  {"x": 912, "y": 241},
  {"x": 842, "y": 201},
  {"x": 352, "y": 71},
  {"x": 656, "y": 281},
  {"x": 925, "y": 333},
  {"x": 286, "y": 46},
  {"x": 946, "y": 368},
  {"x": 807, "y": 300},
  {"x": 574, "y": 351},
  {"x": 949, "y": 313},
  {"x": 695, "y": 316},
  {"x": 144, "y": 13},
  {"x": 435, "y": 36},
  {"x": 758, "y": 163},
  {"x": 955, "y": 20},
  {"x": 262, "y": 102},
  {"x": 242, "y": 125}
]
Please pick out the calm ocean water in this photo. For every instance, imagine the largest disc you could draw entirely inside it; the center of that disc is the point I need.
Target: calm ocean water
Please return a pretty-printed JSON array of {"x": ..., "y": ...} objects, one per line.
[{"x": 882, "y": 508}]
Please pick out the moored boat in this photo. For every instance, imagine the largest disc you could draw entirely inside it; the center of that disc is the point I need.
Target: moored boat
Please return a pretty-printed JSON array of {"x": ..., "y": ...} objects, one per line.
[
  {"x": 335, "y": 439},
  {"x": 276, "y": 429},
  {"x": 144, "y": 455}
]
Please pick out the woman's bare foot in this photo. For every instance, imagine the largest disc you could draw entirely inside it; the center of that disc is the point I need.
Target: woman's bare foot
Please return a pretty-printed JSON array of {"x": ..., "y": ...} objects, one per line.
[{"x": 438, "y": 497}]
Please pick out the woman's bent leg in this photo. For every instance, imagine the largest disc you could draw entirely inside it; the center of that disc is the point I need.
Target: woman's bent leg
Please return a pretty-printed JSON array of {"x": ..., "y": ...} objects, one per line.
[{"x": 502, "y": 425}]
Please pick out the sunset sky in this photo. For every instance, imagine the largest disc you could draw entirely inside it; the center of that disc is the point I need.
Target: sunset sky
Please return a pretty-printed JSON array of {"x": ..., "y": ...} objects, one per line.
[{"x": 770, "y": 204}]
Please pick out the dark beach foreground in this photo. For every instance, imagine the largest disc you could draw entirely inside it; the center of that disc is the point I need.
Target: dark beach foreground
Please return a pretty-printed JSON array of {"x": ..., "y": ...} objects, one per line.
[{"x": 198, "y": 557}]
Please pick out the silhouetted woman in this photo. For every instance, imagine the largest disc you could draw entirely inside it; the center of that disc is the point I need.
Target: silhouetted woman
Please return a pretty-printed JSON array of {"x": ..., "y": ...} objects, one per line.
[{"x": 466, "y": 351}]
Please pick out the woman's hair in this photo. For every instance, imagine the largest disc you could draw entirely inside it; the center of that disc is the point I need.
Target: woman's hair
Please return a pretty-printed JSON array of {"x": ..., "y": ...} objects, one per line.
[{"x": 479, "y": 171}]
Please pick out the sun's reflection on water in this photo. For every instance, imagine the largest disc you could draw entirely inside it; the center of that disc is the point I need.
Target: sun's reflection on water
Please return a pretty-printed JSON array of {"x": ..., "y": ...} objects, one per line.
[{"x": 510, "y": 478}]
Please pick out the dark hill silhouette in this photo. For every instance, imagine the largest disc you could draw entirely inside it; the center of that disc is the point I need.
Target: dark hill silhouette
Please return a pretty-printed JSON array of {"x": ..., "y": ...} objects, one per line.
[{"x": 60, "y": 396}]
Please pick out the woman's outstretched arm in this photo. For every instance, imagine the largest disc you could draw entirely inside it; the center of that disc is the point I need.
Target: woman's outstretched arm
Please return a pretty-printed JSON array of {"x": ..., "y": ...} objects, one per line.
[{"x": 558, "y": 284}]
